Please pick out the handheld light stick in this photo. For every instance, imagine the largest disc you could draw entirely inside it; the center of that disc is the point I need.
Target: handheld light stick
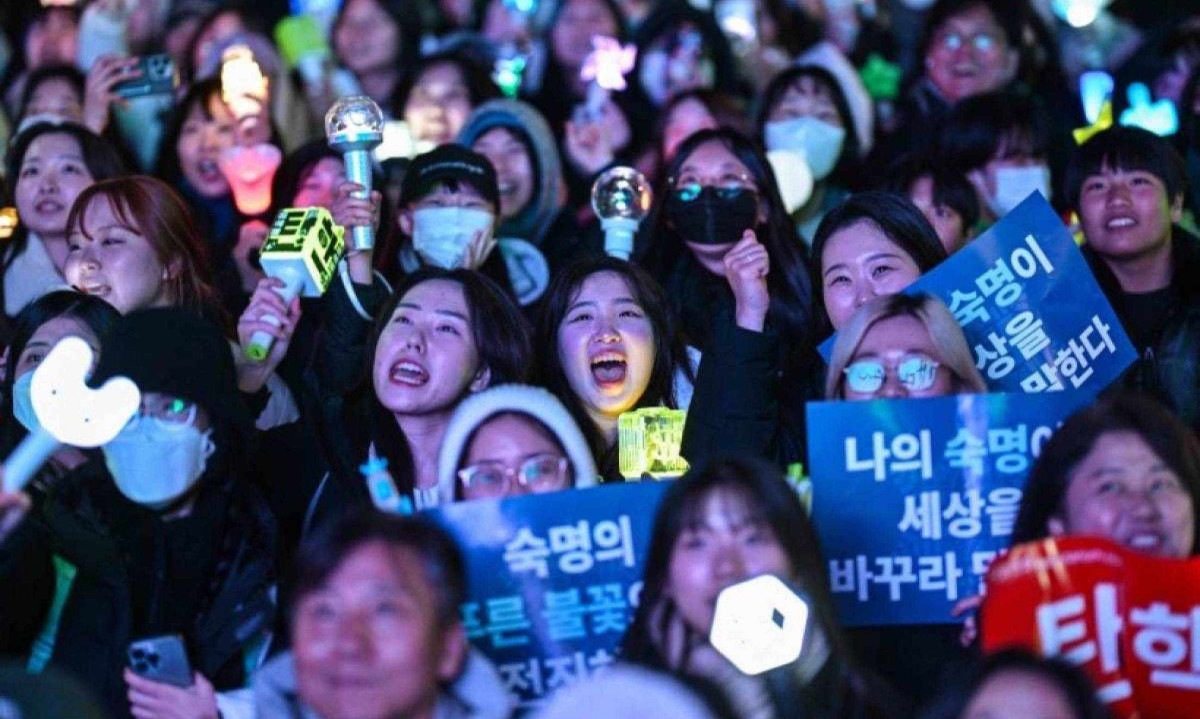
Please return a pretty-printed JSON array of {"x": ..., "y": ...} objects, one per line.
[
  {"x": 243, "y": 85},
  {"x": 249, "y": 171},
  {"x": 354, "y": 127},
  {"x": 648, "y": 441},
  {"x": 621, "y": 198},
  {"x": 302, "y": 44},
  {"x": 605, "y": 69},
  {"x": 8, "y": 222},
  {"x": 759, "y": 624},
  {"x": 69, "y": 411},
  {"x": 302, "y": 249}
]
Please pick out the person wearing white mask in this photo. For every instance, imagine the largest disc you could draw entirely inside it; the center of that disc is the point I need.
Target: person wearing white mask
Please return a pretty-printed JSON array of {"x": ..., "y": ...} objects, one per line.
[
  {"x": 805, "y": 112},
  {"x": 448, "y": 214},
  {"x": 165, "y": 536},
  {"x": 35, "y": 331},
  {"x": 1001, "y": 143}
]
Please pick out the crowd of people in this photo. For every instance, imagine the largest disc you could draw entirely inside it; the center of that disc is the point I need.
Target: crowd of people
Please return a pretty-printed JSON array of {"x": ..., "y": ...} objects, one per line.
[{"x": 809, "y": 160}]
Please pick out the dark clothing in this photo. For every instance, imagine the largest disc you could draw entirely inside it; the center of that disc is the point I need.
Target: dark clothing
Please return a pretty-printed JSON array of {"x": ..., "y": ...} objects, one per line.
[
  {"x": 339, "y": 374},
  {"x": 914, "y": 659},
  {"x": 1168, "y": 346},
  {"x": 119, "y": 572},
  {"x": 744, "y": 403}
]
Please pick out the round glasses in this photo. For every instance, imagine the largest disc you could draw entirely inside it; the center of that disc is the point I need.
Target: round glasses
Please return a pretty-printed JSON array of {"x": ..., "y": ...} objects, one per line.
[
  {"x": 982, "y": 42},
  {"x": 915, "y": 372},
  {"x": 168, "y": 412},
  {"x": 687, "y": 187},
  {"x": 539, "y": 473}
]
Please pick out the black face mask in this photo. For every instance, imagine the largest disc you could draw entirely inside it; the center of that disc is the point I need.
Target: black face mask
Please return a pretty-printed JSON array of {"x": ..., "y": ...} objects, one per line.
[{"x": 714, "y": 215}]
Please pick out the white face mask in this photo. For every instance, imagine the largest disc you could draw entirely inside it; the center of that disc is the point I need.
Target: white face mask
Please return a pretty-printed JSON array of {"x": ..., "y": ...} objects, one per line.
[
  {"x": 154, "y": 464},
  {"x": 442, "y": 235},
  {"x": 1014, "y": 184},
  {"x": 23, "y": 403},
  {"x": 819, "y": 142}
]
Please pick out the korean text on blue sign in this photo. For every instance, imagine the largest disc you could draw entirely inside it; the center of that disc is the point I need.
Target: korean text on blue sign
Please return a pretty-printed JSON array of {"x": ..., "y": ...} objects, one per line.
[
  {"x": 913, "y": 498},
  {"x": 1029, "y": 306},
  {"x": 553, "y": 579}
]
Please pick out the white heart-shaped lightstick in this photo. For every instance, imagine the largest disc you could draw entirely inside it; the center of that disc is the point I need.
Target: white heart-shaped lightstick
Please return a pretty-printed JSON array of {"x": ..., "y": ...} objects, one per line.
[{"x": 69, "y": 411}]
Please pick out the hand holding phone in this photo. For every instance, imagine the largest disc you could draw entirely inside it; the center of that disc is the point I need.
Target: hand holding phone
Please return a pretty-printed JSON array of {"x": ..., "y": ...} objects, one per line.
[
  {"x": 161, "y": 659},
  {"x": 155, "y": 75}
]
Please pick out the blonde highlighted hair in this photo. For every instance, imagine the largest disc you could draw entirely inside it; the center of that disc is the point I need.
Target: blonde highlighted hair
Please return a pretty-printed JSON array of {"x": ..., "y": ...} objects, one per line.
[{"x": 953, "y": 352}]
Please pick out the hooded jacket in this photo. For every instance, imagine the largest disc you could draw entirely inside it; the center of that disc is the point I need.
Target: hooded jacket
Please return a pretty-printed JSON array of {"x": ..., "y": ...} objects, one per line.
[
  {"x": 520, "y": 399},
  {"x": 540, "y": 222}
]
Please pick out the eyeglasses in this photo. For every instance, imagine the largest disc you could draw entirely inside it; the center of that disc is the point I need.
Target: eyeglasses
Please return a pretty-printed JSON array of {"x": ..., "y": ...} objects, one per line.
[
  {"x": 541, "y": 472},
  {"x": 687, "y": 187},
  {"x": 916, "y": 372},
  {"x": 169, "y": 412},
  {"x": 983, "y": 42}
]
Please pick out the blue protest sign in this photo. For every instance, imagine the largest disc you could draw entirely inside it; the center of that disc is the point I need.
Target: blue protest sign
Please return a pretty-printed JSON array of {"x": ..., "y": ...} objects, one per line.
[
  {"x": 553, "y": 579},
  {"x": 913, "y": 498},
  {"x": 1029, "y": 306}
]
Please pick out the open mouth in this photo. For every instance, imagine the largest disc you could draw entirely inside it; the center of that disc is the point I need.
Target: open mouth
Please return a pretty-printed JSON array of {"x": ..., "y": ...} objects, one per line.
[
  {"x": 1145, "y": 542},
  {"x": 48, "y": 207},
  {"x": 98, "y": 290},
  {"x": 608, "y": 368},
  {"x": 209, "y": 171},
  {"x": 964, "y": 71},
  {"x": 1119, "y": 223},
  {"x": 408, "y": 373}
]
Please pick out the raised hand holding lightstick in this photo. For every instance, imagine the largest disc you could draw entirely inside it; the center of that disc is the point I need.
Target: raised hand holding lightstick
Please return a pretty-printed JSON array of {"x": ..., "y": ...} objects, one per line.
[
  {"x": 621, "y": 198},
  {"x": 605, "y": 70},
  {"x": 302, "y": 249},
  {"x": 354, "y": 127},
  {"x": 68, "y": 411}
]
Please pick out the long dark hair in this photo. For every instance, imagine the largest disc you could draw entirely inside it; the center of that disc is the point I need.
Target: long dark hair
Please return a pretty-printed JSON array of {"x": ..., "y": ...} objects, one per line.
[
  {"x": 502, "y": 340},
  {"x": 789, "y": 280},
  {"x": 1167, "y": 436},
  {"x": 102, "y": 162},
  {"x": 895, "y": 216},
  {"x": 771, "y": 503},
  {"x": 670, "y": 356},
  {"x": 408, "y": 30},
  {"x": 93, "y": 312}
]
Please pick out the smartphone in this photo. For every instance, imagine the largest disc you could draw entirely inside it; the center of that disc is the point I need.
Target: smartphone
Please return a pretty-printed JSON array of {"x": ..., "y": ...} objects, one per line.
[
  {"x": 161, "y": 659},
  {"x": 159, "y": 77}
]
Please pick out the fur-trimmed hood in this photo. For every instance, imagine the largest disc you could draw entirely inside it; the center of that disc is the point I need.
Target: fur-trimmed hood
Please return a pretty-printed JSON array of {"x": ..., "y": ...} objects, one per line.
[{"x": 521, "y": 399}]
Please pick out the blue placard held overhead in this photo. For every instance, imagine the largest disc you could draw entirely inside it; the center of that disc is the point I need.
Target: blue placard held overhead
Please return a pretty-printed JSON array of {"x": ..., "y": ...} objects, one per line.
[
  {"x": 913, "y": 498},
  {"x": 1029, "y": 306},
  {"x": 553, "y": 579}
]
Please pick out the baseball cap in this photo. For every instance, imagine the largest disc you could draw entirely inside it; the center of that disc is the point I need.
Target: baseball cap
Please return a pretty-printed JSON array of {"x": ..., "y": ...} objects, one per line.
[{"x": 450, "y": 162}]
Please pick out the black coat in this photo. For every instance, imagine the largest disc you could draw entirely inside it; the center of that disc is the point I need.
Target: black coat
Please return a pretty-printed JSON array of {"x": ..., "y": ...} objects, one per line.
[
  {"x": 1168, "y": 368},
  {"x": 208, "y": 577}
]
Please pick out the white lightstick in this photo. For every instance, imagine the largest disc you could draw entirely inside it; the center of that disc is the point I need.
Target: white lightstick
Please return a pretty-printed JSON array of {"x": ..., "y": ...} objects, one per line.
[
  {"x": 759, "y": 624},
  {"x": 354, "y": 127},
  {"x": 69, "y": 411},
  {"x": 621, "y": 198},
  {"x": 604, "y": 70}
]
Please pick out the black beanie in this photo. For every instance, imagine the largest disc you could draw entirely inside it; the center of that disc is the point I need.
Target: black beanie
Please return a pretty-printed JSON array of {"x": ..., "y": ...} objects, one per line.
[{"x": 174, "y": 351}]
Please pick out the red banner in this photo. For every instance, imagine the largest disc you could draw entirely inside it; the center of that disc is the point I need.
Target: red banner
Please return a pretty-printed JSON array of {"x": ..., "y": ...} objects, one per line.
[{"x": 1131, "y": 621}]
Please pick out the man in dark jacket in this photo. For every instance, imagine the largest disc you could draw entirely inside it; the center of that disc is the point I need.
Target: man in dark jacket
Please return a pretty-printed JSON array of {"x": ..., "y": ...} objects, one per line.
[{"x": 1128, "y": 186}]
